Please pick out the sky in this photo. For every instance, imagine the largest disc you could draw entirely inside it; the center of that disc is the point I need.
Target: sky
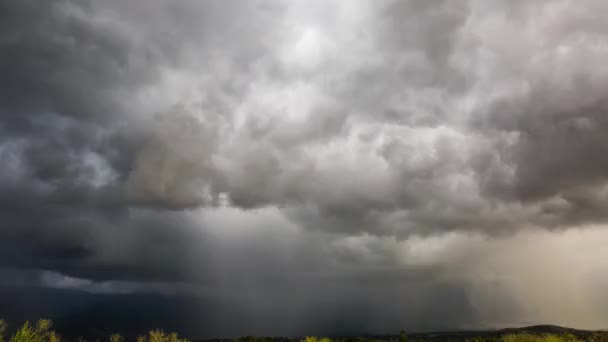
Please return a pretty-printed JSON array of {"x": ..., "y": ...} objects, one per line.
[{"x": 265, "y": 167}]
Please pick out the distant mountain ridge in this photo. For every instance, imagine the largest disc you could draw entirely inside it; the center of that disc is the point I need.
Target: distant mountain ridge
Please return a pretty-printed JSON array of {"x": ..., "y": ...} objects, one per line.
[{"x": 462, "y": 335}]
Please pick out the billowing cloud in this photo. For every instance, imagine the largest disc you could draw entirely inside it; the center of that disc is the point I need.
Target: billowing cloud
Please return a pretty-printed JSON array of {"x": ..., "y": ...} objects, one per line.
[{"x": 308, "y": 149}]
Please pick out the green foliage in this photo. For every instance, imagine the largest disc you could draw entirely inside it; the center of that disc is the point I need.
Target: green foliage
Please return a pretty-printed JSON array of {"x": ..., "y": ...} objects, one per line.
[
  {"x": 483, "y": 339},
  {"x": 2, "y": 330},
  {"x": 253, "y": 339},
  {"x": 599, "y": 336},
  {"x": 54, "y": 337},
  {"x": 160, "y": 336},
  {"x": 524, "y": 337},
  {"x": 314, "y": 339},
  {"x": 40, "y": 333},
  {"x": 356, "y": 339},
  {"x": 156, "y": 336},
  {"x": 116, "y": 338},
  {"x": 25, "y": 334}
]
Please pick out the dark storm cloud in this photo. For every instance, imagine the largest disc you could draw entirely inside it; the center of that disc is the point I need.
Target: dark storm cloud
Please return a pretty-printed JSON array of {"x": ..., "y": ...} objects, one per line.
[
  {"x": 73, "y": 130},
  {"x": 233, "y": 147},
  {"x": 59, "y": 57}
]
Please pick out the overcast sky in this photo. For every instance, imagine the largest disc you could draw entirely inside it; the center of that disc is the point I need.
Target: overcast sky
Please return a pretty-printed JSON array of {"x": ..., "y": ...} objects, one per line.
[{"x": 305, "y": 167}]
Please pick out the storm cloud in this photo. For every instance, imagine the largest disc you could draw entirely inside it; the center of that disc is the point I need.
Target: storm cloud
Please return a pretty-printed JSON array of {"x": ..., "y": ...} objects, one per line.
[{"x": 336, "y": 167}]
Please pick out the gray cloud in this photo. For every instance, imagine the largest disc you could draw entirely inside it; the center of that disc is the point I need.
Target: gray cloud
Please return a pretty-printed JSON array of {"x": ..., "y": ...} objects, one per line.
[{"x": 222, "y": 148}]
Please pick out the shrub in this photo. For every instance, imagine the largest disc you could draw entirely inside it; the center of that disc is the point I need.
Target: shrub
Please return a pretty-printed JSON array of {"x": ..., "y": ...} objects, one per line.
[
  {"x": 116, "y": 338},
  {"x": 160, "y": 336},
  {"x": 2, "y": 330},
  {"x": 54, "y": 337},
  {"x": 40, "y": 333}
]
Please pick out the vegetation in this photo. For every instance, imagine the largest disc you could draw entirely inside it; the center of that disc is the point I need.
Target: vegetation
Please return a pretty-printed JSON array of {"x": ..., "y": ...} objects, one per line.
[
  {"x": 519, "y": 337},
  {"x": 42, "y": 331},
  {"x": 2, "y": 330},
  {"x": 525, "y": 337}
]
